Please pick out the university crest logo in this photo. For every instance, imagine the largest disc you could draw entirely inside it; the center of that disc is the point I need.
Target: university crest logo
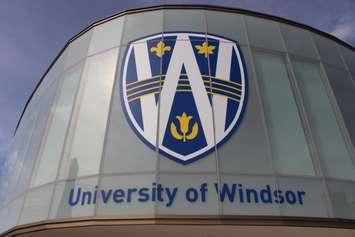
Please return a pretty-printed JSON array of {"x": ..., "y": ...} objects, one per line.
[{"x": 184, "y": 93}]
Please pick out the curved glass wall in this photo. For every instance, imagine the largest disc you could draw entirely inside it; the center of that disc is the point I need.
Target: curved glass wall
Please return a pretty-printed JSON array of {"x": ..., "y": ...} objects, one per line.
[{"x": 75, "y": 155}]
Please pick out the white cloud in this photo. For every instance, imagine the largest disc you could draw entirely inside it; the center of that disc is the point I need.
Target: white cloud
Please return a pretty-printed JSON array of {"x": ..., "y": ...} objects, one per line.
[
  {"x": 5, "y": 143},
  {"x": 344, "y": 26},
  {"x": 343, "y": 31}
]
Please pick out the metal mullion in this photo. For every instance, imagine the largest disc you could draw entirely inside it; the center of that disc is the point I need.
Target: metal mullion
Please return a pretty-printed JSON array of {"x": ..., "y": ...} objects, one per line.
[
  {"x": 157, "y": 139},
  {"x": 216, "y": 156}
]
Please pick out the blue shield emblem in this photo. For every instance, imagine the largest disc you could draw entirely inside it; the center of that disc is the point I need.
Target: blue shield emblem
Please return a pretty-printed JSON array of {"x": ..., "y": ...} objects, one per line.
[{"x": 183, "y": 93}]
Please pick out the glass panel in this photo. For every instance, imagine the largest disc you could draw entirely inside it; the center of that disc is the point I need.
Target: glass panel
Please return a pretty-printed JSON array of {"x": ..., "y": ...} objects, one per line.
[
  {"x": 264, "y": 33},
  {"x": 304, "y": 197},
  {"x": 142, "y": 24},
  {"x": 4, "y": 175},
  {"x": 106, "y": 36},
  {"x": 124, "y": 153},
  {"x": 248, "y": 146},
  {"x": 328, "y": 51},
  {"x": 55, "y": 71},
  {"x": 225, "y": 24},
  {"x": 344, "y": 91},
  {"x": 46, "y": 170},
  {"x": 11, "y": 214},
  {"x": 342, "y": 195},
  {"x": 51, "y": 77},
  {"x": 78, "y": 49},
  {"x": 36, "y": 206},
  {"x": 349, "y": 57},
  {"x": 298, "y": 41},
  {"x": 331, "y": 146},
  {"x": 3, "y": 213},
  {"x": 206, "y": 164},
  {"x": 88, "y": 136},
  {"x": 184, "y": 20},
  {"x": 31, "y": 155},
  {"x": 74, "y": 198},
  {"x": 248, "y": 195},
  {"x": 8, "y": 168},
  {"x": 128, "y": 195},
  {"x": 191, "y": 194},
  {"x": 19, "y": 152},
  {"x": 289, "y": 146}
]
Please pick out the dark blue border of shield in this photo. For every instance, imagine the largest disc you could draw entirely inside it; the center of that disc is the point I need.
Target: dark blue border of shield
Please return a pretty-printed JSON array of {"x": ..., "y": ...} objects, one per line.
[{"x": 212, "y": 149}]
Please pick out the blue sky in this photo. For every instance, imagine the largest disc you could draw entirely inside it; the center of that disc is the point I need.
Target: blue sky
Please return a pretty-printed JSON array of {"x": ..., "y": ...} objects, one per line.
[{"x": 33, "y": 32}]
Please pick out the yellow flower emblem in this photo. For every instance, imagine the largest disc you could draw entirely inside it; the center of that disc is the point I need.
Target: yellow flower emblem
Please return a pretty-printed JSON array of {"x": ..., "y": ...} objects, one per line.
[
  {"x": 184, "y": 121},
  {"x": 205, "y": 49},
  {"x": 160, "y": 49}
]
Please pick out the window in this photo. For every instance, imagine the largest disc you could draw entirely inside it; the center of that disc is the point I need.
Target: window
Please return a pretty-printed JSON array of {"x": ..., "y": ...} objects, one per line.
[
  {"x": 288, "y": 143},
  {"x": 333, "y": 152}
]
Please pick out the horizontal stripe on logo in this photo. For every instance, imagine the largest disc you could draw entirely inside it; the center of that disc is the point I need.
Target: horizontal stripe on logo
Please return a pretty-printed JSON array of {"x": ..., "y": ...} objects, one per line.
[{"x": 154, "y": 86}]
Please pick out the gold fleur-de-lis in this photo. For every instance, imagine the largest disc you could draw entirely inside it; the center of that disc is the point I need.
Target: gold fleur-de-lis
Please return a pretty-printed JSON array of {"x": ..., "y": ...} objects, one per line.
[
  {"x": 205, "y": 49},
  {"x": 160, "y": 49}
]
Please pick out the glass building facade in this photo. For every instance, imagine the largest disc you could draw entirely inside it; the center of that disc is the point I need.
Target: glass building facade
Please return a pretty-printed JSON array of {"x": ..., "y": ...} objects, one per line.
[{"x": 297, "y": 136}]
